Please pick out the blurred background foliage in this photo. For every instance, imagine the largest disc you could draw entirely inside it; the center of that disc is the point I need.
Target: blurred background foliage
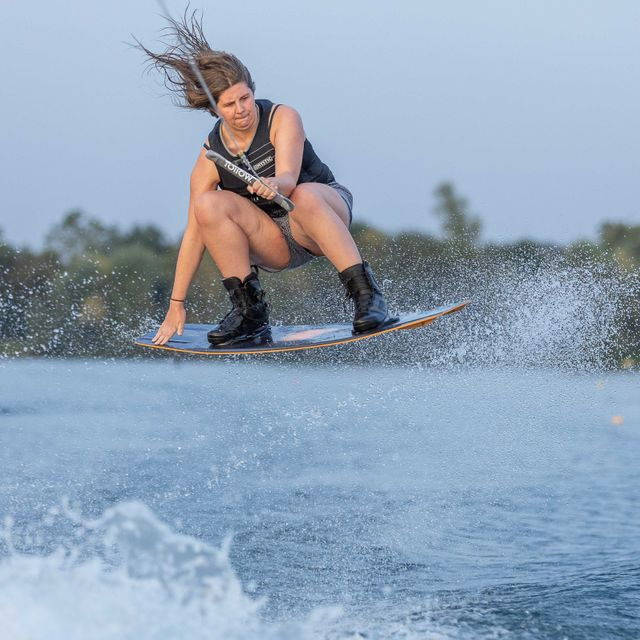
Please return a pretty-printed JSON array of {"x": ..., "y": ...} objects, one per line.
[{"x": 94, "y": 287}]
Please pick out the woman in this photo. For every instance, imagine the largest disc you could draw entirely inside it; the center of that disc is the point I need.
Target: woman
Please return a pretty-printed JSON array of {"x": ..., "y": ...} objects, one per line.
[{"x": 241, "y": 226}]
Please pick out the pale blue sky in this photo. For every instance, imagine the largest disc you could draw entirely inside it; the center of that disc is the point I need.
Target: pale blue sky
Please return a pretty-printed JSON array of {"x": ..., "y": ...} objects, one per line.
[{"x": 530, "y": 108}]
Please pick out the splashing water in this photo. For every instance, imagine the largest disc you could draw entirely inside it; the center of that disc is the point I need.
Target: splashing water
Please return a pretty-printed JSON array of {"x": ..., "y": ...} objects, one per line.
[
  {"x": 127, "y": 575},
  {"x": 553, "y": 315},
  {"x": 552, "y": 318}
]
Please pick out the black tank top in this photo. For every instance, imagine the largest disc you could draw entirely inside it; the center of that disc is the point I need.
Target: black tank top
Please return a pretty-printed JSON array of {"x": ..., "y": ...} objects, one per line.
[{"x": 262, "y": 156}]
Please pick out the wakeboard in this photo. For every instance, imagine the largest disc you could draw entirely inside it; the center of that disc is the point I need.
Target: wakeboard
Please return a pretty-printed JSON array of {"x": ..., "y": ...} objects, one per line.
[{"x": 292, "y": 337}]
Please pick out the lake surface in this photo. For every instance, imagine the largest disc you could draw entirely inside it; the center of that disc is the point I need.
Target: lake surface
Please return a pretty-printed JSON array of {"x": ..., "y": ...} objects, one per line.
[{"x": 250, "y": 499}]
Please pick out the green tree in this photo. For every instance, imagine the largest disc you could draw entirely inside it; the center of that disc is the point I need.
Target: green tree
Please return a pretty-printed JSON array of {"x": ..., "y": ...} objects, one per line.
[
  {"x": 624, "y": 241},
  {"x": 78, "y": 235},
  {"x": 460, "y": 228},
  {"x": 148, "y": 236}
]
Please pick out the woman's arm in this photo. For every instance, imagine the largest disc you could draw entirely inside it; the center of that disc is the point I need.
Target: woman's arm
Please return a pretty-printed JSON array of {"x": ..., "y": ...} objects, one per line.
[
  {"x": 287, "y": 138},
  {"x": 204, "y": 177}
]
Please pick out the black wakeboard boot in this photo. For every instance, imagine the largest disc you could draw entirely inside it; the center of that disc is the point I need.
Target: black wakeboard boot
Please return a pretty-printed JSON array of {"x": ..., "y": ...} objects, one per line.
[
  {"x": 369, "y": 303},
  {"x": 249, "y": 315}
]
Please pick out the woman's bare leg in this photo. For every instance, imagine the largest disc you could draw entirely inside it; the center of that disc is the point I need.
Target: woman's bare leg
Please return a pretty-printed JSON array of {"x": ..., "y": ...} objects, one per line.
[
  {"x": 238, "y": 234},
  {"x": 320, "y": 224}
]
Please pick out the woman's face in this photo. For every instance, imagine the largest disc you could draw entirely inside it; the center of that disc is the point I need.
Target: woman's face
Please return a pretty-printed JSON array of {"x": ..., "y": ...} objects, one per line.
[{"x": 236, "y": 106}]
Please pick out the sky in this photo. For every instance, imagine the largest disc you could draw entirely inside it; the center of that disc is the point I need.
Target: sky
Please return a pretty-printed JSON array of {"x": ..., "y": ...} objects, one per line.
[{"x": 529, "y": 108}]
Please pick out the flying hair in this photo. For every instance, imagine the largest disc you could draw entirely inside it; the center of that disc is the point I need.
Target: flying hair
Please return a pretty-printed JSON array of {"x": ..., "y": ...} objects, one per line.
[{"x": 186, "y": 44}]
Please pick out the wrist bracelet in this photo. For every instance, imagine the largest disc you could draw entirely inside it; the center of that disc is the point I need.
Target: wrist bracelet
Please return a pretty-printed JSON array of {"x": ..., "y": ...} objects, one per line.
[{"x": 176, "y": 300}]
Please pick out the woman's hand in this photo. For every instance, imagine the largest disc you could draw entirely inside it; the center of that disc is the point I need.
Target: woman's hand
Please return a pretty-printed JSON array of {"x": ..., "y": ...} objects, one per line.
[
  {"x": 267, "y": 192},
  {"x": 173, "y": 323}
]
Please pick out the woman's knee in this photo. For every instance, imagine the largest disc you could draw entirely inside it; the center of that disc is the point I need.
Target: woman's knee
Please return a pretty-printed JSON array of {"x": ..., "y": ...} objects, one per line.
[
  {"x": 214, "y": 206},
  {"x": 318, "y": 204},
  {"x": 313, "y": 215},
  {"x": 307, "y": 196}
]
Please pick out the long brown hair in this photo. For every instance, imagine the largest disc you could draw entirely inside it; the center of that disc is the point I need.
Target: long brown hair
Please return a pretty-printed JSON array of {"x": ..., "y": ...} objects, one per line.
[{"x": 184, "y": 40}]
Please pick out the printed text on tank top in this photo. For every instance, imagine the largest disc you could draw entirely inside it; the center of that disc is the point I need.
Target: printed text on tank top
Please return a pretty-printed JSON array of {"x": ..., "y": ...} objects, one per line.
[{"x": 261, "y": 154}]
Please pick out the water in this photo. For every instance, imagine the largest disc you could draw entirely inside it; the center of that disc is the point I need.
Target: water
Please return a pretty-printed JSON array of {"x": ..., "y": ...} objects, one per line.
[{"x": 254, "y": 499}]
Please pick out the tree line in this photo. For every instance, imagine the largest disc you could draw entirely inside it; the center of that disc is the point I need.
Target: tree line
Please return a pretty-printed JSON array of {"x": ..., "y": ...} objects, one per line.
[{"x": 94, "y": 287}]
